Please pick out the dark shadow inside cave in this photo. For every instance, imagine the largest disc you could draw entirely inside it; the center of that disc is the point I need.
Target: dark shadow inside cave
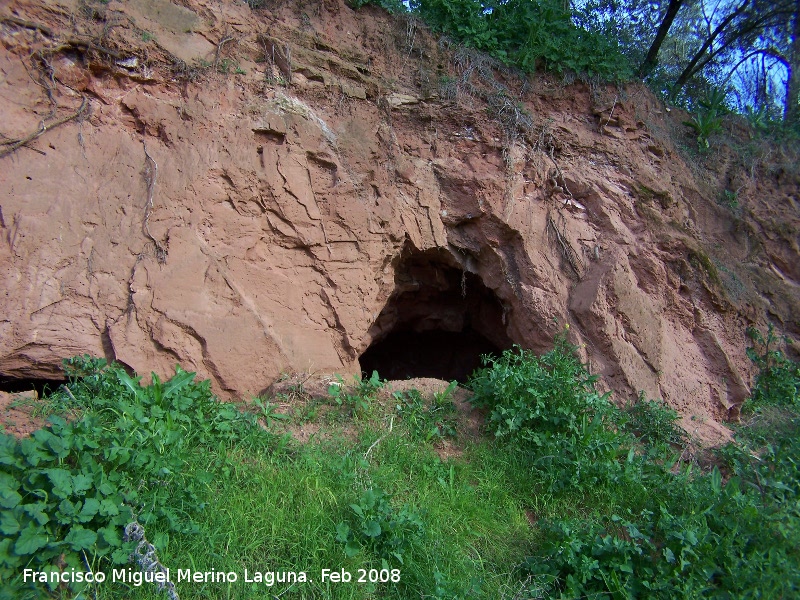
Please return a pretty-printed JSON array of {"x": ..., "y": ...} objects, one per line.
[
  {"x": 438, "y": 322},
  {"x": 42, "y": 387}
]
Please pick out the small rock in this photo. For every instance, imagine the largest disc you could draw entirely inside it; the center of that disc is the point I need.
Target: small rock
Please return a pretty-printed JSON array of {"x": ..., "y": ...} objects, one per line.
[{"x": 396, "y": 100}]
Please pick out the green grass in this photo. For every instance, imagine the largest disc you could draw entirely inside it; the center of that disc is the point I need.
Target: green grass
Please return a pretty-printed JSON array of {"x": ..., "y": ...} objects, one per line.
[
  {"x": 253, "y": 499},
  {"x": 565, "y": 497},
  {"x": 279, "y": 511}
]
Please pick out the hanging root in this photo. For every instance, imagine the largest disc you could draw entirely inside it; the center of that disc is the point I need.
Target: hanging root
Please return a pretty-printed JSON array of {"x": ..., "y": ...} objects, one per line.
[
  {"x": 564, "y": 247},
  {"x": 14, "y": 145},
  {"x": 28, "y": 24},
  {"x": 150, "y": 176},
  {"x": 222, "y": 42}
]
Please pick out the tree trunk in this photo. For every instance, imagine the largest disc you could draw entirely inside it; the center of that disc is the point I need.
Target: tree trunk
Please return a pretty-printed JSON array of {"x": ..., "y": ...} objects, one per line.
[
  {"x": 651, "y": 60},
  {"x": 792, "y": 109}
]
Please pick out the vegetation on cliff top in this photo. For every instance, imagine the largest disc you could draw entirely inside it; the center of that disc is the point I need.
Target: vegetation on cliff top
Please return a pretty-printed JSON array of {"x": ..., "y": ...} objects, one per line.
[{"x": 748, "y": 49}]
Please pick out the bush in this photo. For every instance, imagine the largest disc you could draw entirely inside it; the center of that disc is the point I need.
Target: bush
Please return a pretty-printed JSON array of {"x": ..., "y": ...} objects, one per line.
[
  {"x": 654, "y": 423},
  {"x": 527, "y": 34},
  {"x": 391, "y": 6},
  {"x": 662, "y": 529},
  {"x": 549, "y": 407},
  {"x": 778, "y": 379},
  {"x": 68, "y": 491}
]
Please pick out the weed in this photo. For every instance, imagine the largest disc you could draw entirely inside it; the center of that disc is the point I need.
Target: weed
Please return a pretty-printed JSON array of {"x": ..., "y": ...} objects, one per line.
[
  {"x": 269, "y": 412},
  {"x": 431, "y": 423},
  {"x": 778, "y": 380},
  {"x": 357, "y": 397},
  {"x": 563, "y": 503},
  {"x": 708, "y": 118},
  {"x": 759, "y": 119},
  {"x": 704, "y": 123},
  {"x": 379, "y": 529},
  {"x": 68, "y": 490},
  {"x": 391, "y": 6},
  {"x": 230, "y": 65},
  {"x": 548, "y": 407},
  {"x": 729, "y": 200},
  {"x": 654, "y": 423},
  {"x": 674, "y": 532},
  {"x": 715, "y": 101},
  {"x": 528, "y": 36}
]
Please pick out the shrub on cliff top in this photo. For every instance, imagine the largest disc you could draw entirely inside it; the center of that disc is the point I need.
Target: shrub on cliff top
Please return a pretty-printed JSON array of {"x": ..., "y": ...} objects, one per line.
[{"x": 526, "y": 34}]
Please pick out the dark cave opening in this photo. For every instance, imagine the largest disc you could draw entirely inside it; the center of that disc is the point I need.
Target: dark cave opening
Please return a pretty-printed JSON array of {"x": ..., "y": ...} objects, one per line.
[
  {"x": 441, "y": 354},
  {"x": 438, "y": 322},
  {"x": 43, "y": 387}
]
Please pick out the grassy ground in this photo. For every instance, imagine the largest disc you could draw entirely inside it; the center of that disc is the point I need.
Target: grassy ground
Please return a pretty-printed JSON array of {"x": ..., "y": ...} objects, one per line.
[{"x": 564, "y": 496}]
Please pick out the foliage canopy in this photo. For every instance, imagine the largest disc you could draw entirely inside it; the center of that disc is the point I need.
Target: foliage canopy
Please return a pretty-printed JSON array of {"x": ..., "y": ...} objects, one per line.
[{"x": 683, "y": 48}]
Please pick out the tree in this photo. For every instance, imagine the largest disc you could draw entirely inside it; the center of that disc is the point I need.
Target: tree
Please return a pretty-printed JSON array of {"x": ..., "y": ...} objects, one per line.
[
  {"x": 792, "y": 110},
  {"x": 753, "y": 40},
  {"x": 706, "y": 53},
  {"x": 651, "y": 60}
]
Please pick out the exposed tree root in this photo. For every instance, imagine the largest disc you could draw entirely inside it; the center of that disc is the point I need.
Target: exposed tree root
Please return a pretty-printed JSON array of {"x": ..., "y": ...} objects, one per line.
[
  {"x": 28, "y": 24},
  {"x": 150, "y": 176},
  {"x": 14, "y": 145},
  {"x": 564, "y": 247}
]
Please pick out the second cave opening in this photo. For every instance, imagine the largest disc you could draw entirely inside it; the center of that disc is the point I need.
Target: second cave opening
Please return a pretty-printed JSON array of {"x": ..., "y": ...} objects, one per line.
[{"x": 438, "y": 322}]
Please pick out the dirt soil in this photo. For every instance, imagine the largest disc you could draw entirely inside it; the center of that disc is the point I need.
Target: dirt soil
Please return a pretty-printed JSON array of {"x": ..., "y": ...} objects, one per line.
[
  {"x": 17, "y": 413},
  {"x": 257, "y": 192}
]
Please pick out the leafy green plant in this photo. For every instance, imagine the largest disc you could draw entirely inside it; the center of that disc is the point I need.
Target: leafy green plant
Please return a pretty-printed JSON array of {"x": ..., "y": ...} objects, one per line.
[
  {"x": 778, "y": 380},
  {"x": 230, "y": 65},
  {"x": 654, "y": 423},
  {"x": 758, "y": 119},
  {"x": 444, "y": 589},
  {"x": 376, "y": 527},
  {"x": 269, "y": 412},
  {"x": 729, "y": 199},
  {"x": 548, "y": 406},
  {"x": 433, "y": 422},
  {"x": 704, "y": 123},
  {"x": 676, "y": 532},
  {"x": 58, "y": 503},
  {"x": 358, "y": 396},
  {"x": 68, "y": 490},
  {"x": 715, "y": 101},
  {"x": 391, "y": 6},
  {"x": 527, "y": 34},
  {"x": 708, "y": 118},
  {"x": 563, "y": 504}
]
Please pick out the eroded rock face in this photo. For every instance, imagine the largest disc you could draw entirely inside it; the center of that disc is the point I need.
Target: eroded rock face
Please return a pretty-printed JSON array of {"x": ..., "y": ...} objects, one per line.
[{"x": 258, "y": 221}]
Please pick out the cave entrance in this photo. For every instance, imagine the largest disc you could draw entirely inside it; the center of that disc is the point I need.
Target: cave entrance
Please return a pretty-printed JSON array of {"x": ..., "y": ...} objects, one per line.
[
  {"x": 42, "y": 387},
  {"x": 438, "y": 322}
]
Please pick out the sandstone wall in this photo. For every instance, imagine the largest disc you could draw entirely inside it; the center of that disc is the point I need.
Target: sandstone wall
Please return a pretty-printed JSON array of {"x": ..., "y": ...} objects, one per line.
[{"x": 242, "y": 186}]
